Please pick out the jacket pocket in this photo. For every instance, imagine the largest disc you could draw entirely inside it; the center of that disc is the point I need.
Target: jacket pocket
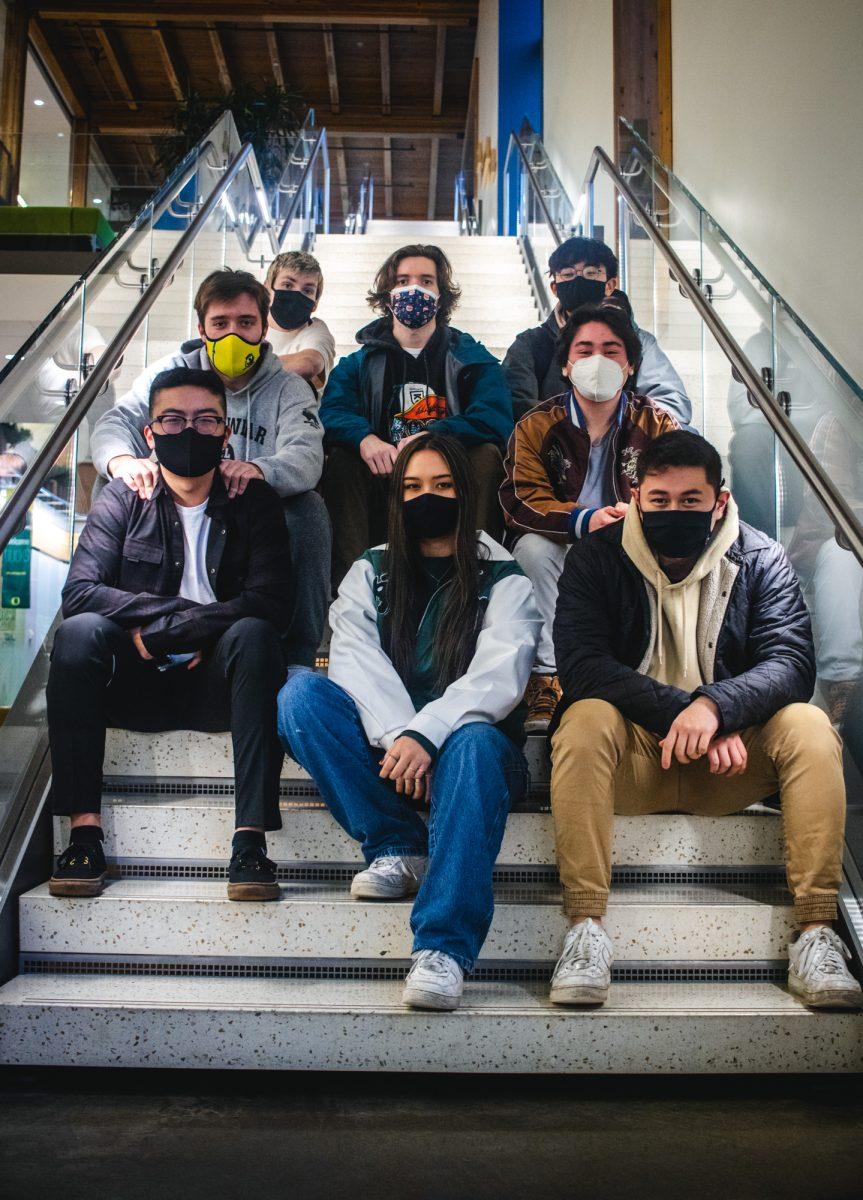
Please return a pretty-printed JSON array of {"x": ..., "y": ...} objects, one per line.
[{"x": 136, "y": 550}]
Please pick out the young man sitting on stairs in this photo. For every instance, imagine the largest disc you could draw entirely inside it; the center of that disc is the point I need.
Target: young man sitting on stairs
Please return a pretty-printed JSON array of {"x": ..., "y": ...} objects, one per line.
[
  {"x": 685, "y": 653},
  {"x": 174, "y": 609},
  {"x": 569, "y": 467}
]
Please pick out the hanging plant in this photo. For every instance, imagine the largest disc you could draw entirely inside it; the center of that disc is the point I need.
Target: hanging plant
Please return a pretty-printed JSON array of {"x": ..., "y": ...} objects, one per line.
[{"x": 269, "y": 117}]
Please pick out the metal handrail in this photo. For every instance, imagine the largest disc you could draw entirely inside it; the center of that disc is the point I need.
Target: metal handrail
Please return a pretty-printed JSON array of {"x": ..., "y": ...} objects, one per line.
[
  {"x": 796, "y": 446},
  {"x": 16, "y": 507},
  {"x": 319, "y": 148},
  {"x": 357, "y": 221},
  {"x": 464, "y": 213}
]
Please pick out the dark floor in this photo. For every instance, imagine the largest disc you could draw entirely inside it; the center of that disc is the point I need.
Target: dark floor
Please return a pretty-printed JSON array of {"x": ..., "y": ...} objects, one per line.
[{"x": 132, "y": 1135}]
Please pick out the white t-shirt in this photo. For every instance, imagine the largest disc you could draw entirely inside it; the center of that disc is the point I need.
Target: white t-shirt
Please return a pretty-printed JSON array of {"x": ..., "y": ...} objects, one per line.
[
  {"x": 314, "y": 336},
  {"x": 195, "y": 584}
]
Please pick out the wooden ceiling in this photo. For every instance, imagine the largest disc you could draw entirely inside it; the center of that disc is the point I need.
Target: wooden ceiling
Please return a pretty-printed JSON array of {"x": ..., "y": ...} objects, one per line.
[{"x": 389, "y": 81}]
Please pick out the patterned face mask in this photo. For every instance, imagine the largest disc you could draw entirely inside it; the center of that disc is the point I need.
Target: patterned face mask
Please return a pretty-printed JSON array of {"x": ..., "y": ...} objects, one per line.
[{"x": 413, "y": 306}]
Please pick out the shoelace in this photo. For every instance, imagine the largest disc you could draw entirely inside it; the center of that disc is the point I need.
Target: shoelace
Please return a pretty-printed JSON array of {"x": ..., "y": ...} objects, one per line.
[
  {"x": 252, "y": 857},
  {"x": 436, "y": 962},
  {"x": 389, "y": 864},
  {"x": 69, "y": 857},
  {"x": 584, "y": 950},
  {"x": 825, "y": 953}
]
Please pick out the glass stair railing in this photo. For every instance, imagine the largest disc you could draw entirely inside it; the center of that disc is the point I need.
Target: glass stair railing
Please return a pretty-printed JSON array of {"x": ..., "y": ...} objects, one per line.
[{"x": 784, "y": 413}]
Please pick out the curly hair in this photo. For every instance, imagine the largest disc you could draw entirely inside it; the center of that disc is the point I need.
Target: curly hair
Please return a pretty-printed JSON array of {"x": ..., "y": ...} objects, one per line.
[{"x": 385, "y": 280}]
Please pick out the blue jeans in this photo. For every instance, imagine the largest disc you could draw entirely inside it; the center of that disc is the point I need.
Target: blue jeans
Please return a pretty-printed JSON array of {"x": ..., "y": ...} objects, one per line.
[{"x": 478, "y": 774}]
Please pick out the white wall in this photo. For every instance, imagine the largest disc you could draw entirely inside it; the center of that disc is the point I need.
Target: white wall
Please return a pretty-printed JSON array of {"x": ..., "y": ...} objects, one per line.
[
  {"x": 487, "y": 53},
  {"x": 578, "y": 99},
  {"x": 767, "y": 103}
]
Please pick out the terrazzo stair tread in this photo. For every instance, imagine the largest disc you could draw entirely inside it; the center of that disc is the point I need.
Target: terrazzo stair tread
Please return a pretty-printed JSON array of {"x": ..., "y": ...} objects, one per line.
[
  {"x": 183, "y": 753},
  {"x": 344, "y": 1025},
  {"x": 192, "y": 918},
  {"x": 189, "y": 827}
]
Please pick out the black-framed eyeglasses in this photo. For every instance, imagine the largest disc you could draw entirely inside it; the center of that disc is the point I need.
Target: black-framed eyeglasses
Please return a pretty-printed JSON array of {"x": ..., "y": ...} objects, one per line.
[{"x": 171, "y": 423}]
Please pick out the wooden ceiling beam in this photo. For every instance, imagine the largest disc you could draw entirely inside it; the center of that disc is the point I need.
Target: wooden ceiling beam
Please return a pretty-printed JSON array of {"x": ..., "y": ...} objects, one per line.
[
  {"x": 388, "y": 175},
  {"x": 311, "y": 12},
  {"x": 155, "y": 116},
  {"x": 170, "y": 57},
  {"x": 275, "y": 57},
  {"x": 433, "y": 165},
  {"x": 332, "y": 72},
  {"x": 62, "y": 73},
  {"x": 116, "y": 59},
  {"x": 225, "y": 81},
  {"x": 439, "y": 60},
  {"x": 386, "y": 98}
]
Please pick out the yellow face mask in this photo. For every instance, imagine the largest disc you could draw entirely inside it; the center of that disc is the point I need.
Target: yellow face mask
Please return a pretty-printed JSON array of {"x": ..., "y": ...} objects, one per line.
[{"x": 232, "y": 355}]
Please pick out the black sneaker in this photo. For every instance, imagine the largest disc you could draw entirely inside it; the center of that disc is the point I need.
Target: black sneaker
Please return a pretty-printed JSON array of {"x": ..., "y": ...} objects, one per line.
[
  {"x": 251, "y": 875},
  {"x": 81, "y": 870}
]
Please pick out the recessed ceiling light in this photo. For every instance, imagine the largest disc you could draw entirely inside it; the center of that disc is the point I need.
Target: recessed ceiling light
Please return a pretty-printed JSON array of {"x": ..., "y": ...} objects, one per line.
[
  {"x": 39, "y": 103},
  {"x": 97, "y": 199},
  {"x": 61, "y": 135}
]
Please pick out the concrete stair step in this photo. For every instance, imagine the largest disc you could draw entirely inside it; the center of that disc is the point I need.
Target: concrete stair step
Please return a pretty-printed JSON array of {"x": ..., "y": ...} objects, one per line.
[
  {"x": 199, "y": 828},
  {"x": 315, "y": 920},
  {"x": 100, "y": 1020}
]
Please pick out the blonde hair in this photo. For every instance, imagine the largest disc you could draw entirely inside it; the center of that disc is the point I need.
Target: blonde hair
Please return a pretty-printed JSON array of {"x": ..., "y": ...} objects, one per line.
[{"x": 299, "y": 261}]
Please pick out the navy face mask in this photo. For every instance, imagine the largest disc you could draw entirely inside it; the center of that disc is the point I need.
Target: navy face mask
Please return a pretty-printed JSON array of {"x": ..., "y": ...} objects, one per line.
[
  {"x": 680, "y": 534},
  {"x": 430, "y": 516},
  {"x": 291, "y": 309}
]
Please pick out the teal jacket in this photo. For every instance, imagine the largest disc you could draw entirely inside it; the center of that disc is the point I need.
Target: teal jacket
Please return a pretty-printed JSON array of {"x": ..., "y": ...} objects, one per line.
[
  {"x": 479, "y": 402},
  {"x": 491, "y": 689}
]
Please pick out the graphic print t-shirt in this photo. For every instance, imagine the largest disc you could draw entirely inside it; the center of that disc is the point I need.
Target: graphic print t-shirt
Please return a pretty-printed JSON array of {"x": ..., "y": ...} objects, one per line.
[{"x": 415, "y": 387}]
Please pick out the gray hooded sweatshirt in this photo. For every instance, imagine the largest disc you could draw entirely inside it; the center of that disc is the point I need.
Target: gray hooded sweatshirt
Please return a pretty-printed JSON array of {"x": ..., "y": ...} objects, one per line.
[{"x": 273, "y": 421}]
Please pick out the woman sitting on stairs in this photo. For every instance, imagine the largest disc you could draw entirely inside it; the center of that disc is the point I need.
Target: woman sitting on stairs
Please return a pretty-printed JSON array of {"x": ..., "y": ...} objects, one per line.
[{"x": 434, "y": 636}]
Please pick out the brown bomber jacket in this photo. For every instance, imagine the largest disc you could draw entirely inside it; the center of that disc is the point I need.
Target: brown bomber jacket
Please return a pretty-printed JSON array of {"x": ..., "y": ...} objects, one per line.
[{"x": 547, "y": 457}]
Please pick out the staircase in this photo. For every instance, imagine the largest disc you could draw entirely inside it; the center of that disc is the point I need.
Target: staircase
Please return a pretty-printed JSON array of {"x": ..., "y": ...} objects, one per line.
[
  {"x": 163, "y": 971},
  {"x": 496, "y": 301}
]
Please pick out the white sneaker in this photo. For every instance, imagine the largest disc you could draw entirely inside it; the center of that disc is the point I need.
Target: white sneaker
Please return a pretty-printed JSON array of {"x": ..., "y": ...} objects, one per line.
[
  {"x": 434, "y": 981},
  {"x": 390, "y": 877},
  {"x": 583, "y": 971},
  {"x": 817, "y": 972}
]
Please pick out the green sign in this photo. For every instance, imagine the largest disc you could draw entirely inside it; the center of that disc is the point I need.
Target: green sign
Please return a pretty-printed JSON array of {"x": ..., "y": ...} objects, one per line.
[{"x": 15, "y": 571}]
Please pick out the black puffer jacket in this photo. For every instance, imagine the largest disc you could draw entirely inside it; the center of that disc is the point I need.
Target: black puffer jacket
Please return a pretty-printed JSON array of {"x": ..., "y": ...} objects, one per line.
[{"x": 764, "y": 654}]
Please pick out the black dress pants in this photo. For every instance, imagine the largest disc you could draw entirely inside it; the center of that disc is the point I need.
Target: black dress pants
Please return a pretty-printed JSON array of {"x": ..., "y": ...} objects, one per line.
[{"x": 98, "y": 679}]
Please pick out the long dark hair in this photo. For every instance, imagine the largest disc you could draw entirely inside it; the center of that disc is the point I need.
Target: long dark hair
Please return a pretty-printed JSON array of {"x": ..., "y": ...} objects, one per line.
[{"x": 458, "y": 626}]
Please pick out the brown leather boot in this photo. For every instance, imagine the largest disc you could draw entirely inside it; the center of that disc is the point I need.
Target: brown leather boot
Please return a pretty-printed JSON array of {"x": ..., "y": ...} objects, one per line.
[{"x": 542, "y": 695}]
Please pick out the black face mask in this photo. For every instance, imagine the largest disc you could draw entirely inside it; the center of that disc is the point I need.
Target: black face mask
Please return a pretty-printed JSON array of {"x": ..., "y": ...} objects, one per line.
[
  {"x": 677, "y": 534},
  {"x": 291, "y": 309},
  {"x": 579, "y": 291},
  {"x": 189, "y": 453},
  {"x": 430, "y": 516}
]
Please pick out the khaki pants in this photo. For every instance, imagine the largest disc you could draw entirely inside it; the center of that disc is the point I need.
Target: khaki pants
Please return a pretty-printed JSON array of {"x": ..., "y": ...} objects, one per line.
[{"x": 603, "y": 764}]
